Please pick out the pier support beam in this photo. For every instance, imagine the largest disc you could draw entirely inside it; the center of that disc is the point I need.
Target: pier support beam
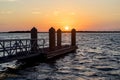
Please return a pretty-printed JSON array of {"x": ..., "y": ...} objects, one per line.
[
  {"x": 33, "y": 39},
  {"x": 59, "y": 38},
  {"x": 51, "y": 39},
  {"x": 73, "y": 37}
]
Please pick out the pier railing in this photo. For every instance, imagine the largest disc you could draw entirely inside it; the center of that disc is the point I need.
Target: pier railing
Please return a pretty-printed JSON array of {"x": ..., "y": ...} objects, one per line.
[{"x": 16, "y": 46}]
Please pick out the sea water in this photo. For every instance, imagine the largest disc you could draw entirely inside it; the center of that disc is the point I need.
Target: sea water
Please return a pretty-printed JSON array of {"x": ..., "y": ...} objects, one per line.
[{"x": 97, "y": 58}]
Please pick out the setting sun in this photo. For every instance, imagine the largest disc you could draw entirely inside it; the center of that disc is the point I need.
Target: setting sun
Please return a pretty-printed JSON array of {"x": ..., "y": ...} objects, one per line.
[{"x": 67, "y": 28}]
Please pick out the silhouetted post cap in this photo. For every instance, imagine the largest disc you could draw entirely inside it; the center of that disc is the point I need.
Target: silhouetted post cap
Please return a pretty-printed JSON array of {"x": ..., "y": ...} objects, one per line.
[
  {"x": 33, "y": 29},
  {"x": 51, "y": 29},
  {"x": 59, "y": 30},
  {"x": 73, "y": 29}
]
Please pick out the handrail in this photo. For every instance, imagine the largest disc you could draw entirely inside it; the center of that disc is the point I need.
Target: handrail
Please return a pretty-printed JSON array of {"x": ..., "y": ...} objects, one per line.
[
  {"x": 14, "y": 46},
  {"x": 18, "y": 39}
]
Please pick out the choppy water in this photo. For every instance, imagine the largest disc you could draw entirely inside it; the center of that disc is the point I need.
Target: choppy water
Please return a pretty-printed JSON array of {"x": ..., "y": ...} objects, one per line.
[{"x": 97, "y": 58}]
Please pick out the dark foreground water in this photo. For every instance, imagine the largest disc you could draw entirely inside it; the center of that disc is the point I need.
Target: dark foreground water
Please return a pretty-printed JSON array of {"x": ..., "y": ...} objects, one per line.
[{"x": 97, "y": 58}]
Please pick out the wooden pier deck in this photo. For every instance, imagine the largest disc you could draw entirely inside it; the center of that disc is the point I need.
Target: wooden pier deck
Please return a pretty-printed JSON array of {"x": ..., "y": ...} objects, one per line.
[
  {"x": 38, "y": 55},
  {"x": 61, "y": 51}
]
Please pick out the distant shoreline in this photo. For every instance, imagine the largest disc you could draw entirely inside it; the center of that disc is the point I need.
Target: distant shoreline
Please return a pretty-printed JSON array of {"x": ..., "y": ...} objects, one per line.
[
  {"x": 98, "y": 31},
  {"x": 66, "y": 32}
]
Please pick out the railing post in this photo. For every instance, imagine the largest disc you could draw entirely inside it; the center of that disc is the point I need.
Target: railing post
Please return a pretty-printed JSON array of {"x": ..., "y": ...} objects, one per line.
[
  {"x": 33, "y": 39},
  {"x": 73, "y": 37},
  {"x": 59, "y": 38},
  {"x": 51, "y": 39}
]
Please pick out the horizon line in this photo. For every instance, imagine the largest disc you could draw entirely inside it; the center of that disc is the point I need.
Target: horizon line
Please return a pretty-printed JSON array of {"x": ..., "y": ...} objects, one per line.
[{"x": 64, "y": 31}]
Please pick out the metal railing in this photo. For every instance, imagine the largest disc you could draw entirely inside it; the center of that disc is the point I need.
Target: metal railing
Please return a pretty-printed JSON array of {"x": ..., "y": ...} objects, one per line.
[{"x": 15, "y": 46}]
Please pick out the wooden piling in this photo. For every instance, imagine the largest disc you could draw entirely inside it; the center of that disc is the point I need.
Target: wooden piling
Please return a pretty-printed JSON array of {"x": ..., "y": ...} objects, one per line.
[
  {"x": 51, "y": 39},
  {"x": 33, "y": 39},
  {"x": 59, "y": 38},
  {"x": 73, "y": 37}
]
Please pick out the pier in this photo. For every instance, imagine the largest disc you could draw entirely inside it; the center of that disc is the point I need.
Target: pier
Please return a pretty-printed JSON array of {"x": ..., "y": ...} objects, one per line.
[{"x": 34, "y": 48}]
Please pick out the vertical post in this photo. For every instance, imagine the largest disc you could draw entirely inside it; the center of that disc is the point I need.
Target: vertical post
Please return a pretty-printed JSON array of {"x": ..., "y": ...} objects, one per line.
[
  {"x": 33, "y": 39},
  {"x": 51, "y": 39},
  {"x": 59, "y": 38},
  {"x": 73, "y": 37}
]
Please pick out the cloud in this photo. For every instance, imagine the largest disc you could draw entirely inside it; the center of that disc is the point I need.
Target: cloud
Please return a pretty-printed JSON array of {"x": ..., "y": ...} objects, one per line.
[
  {"x": 8, "y": 0},
  {"x": 6, "y": 12},
  {"x": 73, "y": 13},
  {"x": 36, "y": 12},
  {"x": 56, "y": 13},
  {"x": 12, "y": 0}
]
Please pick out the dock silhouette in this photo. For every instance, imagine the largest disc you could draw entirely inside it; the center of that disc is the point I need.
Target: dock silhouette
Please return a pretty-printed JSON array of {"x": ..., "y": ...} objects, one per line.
[{"x": 34, "y": 48}]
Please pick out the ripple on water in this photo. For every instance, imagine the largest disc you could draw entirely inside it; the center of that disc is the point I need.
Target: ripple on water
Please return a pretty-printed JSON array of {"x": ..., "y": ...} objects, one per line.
[{"x": 105, "y": 68}]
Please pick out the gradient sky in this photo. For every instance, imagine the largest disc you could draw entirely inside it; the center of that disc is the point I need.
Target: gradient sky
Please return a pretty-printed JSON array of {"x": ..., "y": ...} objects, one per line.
[{"x": 79, "y": 14}]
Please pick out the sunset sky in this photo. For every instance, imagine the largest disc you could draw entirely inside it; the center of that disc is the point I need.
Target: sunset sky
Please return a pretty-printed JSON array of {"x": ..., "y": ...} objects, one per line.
[{"x": 91, "y": 15}]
